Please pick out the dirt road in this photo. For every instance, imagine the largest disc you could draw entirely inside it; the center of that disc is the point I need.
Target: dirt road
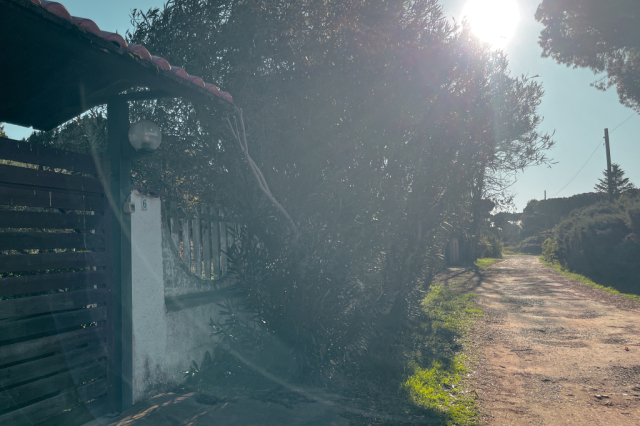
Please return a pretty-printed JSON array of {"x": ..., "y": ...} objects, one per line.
[{"x": 554, "y": 350}]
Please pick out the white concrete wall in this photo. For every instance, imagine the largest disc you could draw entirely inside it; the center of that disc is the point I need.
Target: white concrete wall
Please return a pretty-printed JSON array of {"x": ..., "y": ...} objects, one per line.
[
  {"x": 149, "y": 318},
  {"x": 164, "y": 342}
]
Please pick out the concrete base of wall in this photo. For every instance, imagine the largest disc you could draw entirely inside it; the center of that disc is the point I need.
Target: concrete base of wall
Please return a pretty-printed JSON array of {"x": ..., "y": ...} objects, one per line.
[{"x": 165, "y": 341}]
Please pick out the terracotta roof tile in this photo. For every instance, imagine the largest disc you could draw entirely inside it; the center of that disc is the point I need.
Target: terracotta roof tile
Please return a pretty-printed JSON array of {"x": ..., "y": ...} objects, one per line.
[
  {"x": 140, "y": 50},
  {"x": 180, "y": 72},
  {"x": 226, "y": 96},
  {"x": 87, "y": 24},
  {"x": 57, "y": 9},
  {"x": 212, "y": 88},
  {"x": 90, "y": 26},
  {"x": 162, "y": 63},
  {"x": 196, "y": 80},
  {"x": 114, "y": 38}
]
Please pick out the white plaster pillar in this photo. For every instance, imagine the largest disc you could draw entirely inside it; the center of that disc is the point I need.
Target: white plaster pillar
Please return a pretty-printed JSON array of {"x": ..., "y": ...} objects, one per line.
[{"x": 149, "y": 322}]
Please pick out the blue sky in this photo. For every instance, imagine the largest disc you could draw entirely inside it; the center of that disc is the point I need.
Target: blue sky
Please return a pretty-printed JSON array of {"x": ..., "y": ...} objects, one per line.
[{"x": 576, "y": 112}]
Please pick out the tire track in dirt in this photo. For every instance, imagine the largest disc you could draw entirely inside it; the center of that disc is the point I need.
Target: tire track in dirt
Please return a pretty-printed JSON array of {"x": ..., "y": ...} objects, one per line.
[{"x": 553, "y": 350}]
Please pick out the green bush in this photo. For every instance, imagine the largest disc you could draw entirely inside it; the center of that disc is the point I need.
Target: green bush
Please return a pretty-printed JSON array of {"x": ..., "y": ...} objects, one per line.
[
  {"x": 532, "y": 245},
  {"x": 491, "y": 245},
  {"x": 542, "y": 215},
  {"x": 602, "y": 242},
  {"x": 550, "y": 250},
  {"x": 586, "y": 281}
]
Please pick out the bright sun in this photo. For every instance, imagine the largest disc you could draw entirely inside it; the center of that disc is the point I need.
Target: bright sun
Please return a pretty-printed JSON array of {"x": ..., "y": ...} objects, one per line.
[{"x": 493, "y": 21}]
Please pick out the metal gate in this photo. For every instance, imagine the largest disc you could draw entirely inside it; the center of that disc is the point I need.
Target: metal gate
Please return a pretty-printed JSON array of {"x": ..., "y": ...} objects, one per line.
[{"x": 56, "y": 328}]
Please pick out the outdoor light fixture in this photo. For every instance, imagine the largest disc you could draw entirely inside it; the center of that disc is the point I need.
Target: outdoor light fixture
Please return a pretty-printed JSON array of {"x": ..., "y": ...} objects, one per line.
[{"x": 145, "y": 136}]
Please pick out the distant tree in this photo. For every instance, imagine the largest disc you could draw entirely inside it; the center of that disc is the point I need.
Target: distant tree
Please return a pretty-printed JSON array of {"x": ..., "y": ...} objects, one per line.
[
  {"x": 2, "y": 133},
  {"x": 541, "y": 215},
  {"x": 620, "y": 183},
  {"x": 86, "y": 134},
  {"x": 512, "y": 132},
  {"x": 603, "y": 36}
]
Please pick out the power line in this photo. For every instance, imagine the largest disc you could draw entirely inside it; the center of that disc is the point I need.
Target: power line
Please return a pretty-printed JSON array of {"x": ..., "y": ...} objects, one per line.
[
  {"x": 628, "y": 118},
  {"x": 578, "y": 172},
  {"x": 593, "y": 153}
]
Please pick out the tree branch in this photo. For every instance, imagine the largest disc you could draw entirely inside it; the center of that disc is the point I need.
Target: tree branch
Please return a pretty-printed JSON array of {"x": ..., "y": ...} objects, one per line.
[{"x": 241, "y": 138}]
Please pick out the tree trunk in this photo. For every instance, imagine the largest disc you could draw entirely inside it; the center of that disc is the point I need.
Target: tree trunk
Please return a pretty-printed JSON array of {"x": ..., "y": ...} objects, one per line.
[{"x": 476, "y": 214}]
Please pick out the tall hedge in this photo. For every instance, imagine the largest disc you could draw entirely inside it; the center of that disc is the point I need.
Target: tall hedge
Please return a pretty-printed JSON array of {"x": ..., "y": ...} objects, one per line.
[
  {"x": 602, "y": 242},
  {"x": 543, "y": 215}
]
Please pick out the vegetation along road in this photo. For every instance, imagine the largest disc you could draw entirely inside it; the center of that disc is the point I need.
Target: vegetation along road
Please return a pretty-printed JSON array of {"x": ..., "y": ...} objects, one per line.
[{"x": 554, "y": 351}]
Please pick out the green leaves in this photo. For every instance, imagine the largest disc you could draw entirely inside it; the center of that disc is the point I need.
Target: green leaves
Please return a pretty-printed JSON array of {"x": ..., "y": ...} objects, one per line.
[
  {"x": 370, "y": 121},
  {"x": 601, "y": 36},
  {"x": 601, "y": 243}
]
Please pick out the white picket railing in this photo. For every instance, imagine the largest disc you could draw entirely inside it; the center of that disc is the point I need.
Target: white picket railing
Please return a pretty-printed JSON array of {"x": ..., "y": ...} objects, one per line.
[{"x": 201, "y": 236}]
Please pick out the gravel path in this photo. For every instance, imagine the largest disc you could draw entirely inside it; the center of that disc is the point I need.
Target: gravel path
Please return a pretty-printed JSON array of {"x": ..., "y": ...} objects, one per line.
[{"x": 554, "y": 351}]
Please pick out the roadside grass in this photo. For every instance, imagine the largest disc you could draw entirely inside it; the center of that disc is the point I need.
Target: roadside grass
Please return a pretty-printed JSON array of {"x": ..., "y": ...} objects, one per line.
[
  {"x": 484, "y": 263},
  {"x": 420, "y": 379},
  {"x": 437, "y": 364},
  {"x": 586, "y": 281}
]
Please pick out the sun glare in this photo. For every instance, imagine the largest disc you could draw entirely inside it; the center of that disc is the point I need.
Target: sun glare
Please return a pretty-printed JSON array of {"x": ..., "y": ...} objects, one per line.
[{"x": 493, "y": 21}]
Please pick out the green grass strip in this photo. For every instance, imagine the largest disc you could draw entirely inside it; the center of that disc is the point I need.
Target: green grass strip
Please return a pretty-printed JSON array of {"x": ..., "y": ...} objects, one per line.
[
  {"x": 435, "y": 382},
  {"x": 484, "y": 263},
  {"x": 586, "y": 281}
]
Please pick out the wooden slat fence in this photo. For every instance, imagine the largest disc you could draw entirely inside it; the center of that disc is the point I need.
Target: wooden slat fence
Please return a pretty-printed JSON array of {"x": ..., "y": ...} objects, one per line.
[
  {"x": 202, "y": 236},
  {"x": 55, "y": 288}
]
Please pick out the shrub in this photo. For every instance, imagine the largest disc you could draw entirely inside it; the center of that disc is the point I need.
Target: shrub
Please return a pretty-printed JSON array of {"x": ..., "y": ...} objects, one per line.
[
  {"x": 532, "y": 245},
  {"x": 491, "y": 245},
  {"x": 602, "y": 243},
  {"x": 542, "y": 215},
  {"x": 494, "y": 247},
  {"x": 550, "y": 250}
]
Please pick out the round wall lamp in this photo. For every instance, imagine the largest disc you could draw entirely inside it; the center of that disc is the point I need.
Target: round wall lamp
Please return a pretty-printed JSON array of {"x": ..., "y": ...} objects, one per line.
[{"x": 145, "y": 136}]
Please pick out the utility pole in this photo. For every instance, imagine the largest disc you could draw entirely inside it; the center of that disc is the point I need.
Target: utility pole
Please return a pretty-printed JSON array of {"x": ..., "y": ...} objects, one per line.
[
  {"x": 545, "y": 195},
  {"x": 609, "y": 176}
]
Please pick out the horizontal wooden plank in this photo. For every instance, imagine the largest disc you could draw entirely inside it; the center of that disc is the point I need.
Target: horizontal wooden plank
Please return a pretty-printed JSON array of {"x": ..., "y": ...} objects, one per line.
[
  {"x": 48, "y": 282},
  {"x": 29, "y": 371},
  {"x": 93, "y": 390},
  {"x": 68, "y": 379},
  {"x": 26, "y": 306},
  {"x": 30, "y": 153},
  {"x": 64, "y": 342},
  {"x": 79, "y": 415},
  {"x": 38, "y": 220},
  {"x": 45, "y": 411},
  {"x": 40, "y": 411},
  {"x": 20, "y": 329},
  {"x": 41, "y": 262},
  {"x": 51, "y": 240},
  {"x": 30, "y": 197},
  {"x": 43, "y": 179}
]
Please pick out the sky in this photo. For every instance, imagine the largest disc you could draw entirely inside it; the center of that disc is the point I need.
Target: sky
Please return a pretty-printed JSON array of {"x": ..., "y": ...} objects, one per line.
[{"x": 576, "y": 112}]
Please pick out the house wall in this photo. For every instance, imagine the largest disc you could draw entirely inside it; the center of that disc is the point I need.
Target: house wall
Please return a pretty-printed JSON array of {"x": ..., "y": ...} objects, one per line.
[{"x": 171, "y": 307}]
